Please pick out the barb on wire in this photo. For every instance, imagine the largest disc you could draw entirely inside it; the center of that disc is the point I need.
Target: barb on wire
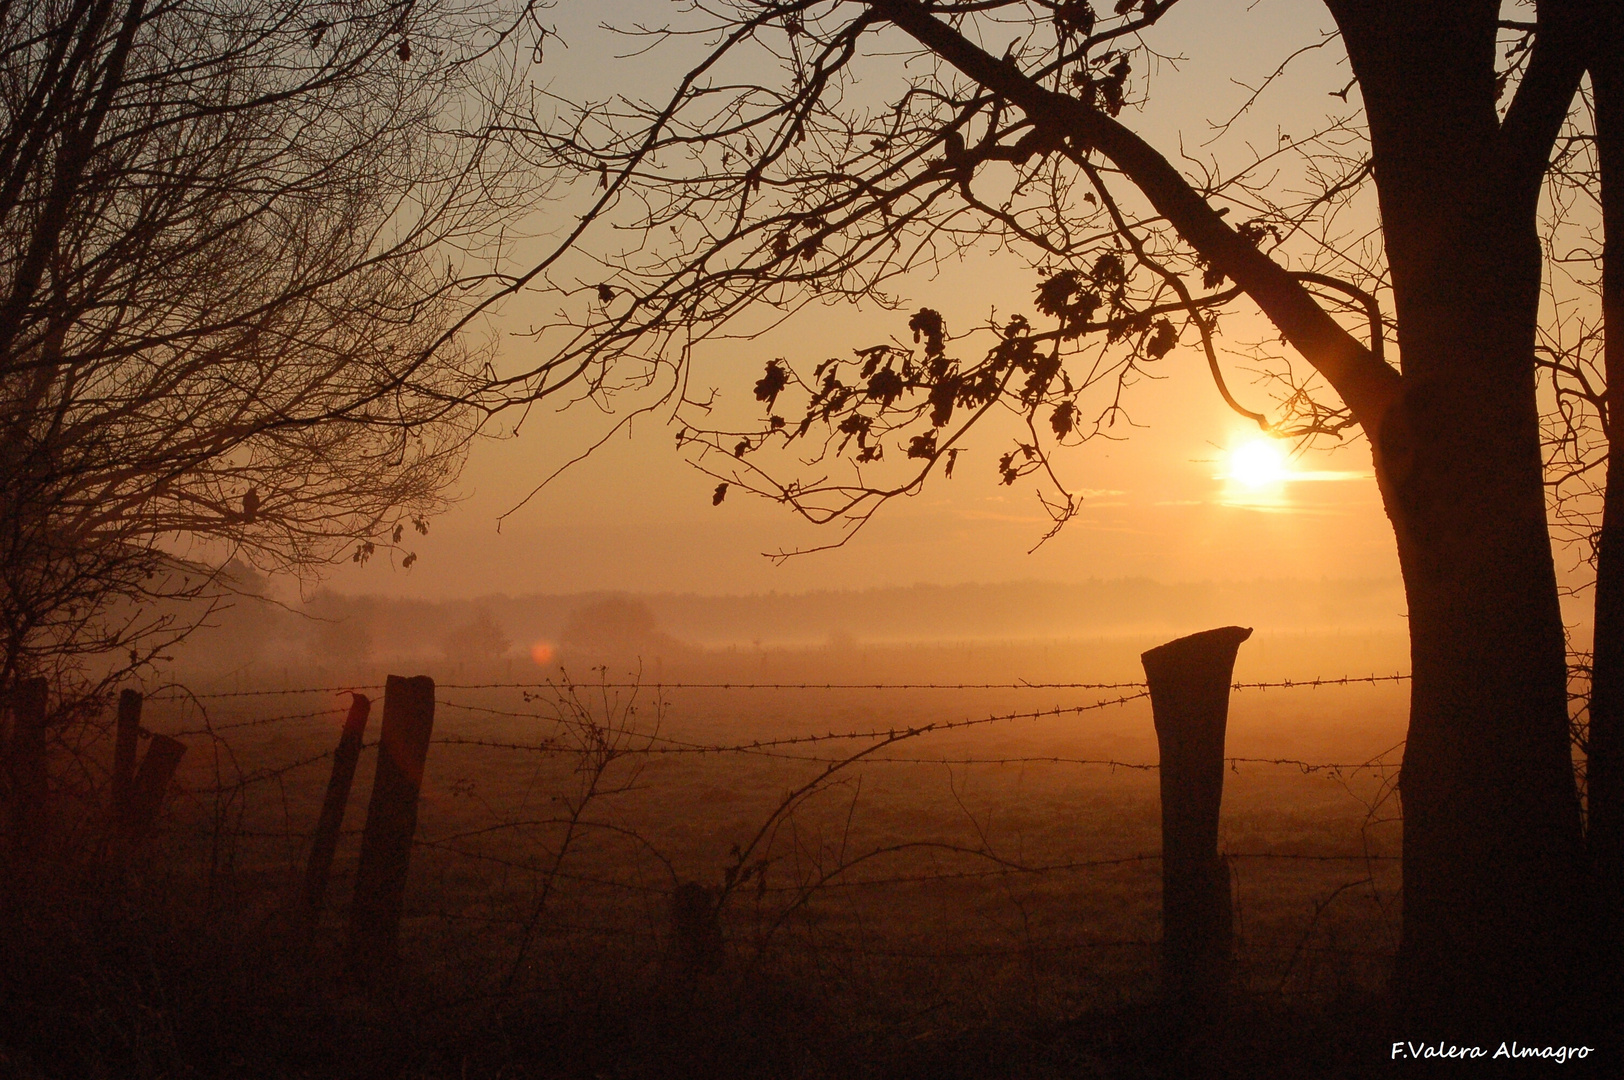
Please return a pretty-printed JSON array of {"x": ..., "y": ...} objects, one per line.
[
  {"x": 1022, "y": 684},
  {"x": 1317, "y": 682},
  {"x": 213, "y": 729},
  {"x": 266, "y": 693},
  {"x": 261, "y": 776},
  {"x": 665, "y": 744}
]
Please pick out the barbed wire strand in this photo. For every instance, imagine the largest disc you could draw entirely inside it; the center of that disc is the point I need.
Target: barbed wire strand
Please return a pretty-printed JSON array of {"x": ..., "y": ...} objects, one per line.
[{"x": 1022, "y": 684}]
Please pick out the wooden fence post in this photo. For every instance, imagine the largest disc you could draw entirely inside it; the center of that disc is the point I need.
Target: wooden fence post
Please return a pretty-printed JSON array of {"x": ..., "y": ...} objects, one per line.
[
  {"x": 149, "y": 786},
  {"x": 325, "y": 841},
  {"x": 386, "y": 841},
  {"x": 1189, "y": 699},
  {"x": 26, "y": 759},
  {"x": 124, "y": 751}
]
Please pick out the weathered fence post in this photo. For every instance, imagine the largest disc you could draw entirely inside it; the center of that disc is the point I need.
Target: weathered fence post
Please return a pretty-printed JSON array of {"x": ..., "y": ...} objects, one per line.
[
  {"x": 27, "y": 759},
  {"x": 325, "y": 841},
  {"x": 386, "y": 841},
  {"x": 149, "y": 786},
  {"x": 124, "y": 750},
  {"x": 1189, "y": 699}
]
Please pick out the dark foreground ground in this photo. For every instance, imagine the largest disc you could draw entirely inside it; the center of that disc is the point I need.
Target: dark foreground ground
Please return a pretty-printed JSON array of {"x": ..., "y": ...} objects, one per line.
[
  {"x": 163, "y": 1002},
  {"x": 982, "y": 901},
  {"x": 94, "y": 989},
  {"x": 139, "y": 999}
]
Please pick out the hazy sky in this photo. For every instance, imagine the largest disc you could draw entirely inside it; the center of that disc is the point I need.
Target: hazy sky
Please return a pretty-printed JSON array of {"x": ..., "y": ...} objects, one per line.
[{"x": 634, "y": 516}]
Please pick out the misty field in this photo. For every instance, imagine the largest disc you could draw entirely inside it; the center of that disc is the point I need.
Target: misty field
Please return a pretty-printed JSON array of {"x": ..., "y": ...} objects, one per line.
[{"x": 999, "y": 867}]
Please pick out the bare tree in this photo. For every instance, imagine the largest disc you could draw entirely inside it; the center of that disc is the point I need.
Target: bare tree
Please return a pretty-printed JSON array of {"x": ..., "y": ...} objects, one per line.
[
  {"x": 237, "y": 245},
  {"x": 819, "y": 149}
]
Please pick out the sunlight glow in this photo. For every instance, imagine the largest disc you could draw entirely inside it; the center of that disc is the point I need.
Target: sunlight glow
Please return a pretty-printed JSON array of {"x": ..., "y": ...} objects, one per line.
[
  {"x": 542, "y": 653},
  {"x": 1258, "y": 462}
]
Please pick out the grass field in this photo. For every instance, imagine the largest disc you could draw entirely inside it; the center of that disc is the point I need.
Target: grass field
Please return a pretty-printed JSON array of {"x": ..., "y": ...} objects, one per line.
[{"x": 994, "y": 878}]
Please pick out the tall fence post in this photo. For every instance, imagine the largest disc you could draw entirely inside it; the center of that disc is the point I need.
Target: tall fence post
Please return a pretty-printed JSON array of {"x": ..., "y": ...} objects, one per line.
[
  {"x": 1189, "y": 698},
  {"x": 125, "y": 740},
  {"x": 26, "y": 759},
  {"x": 150, "y": 784},
  {"x": 325, "y": 841},
  {"x": 386, "y": 840}
]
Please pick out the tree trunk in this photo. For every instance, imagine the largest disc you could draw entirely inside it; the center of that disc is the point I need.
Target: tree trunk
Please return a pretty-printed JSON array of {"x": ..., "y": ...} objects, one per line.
[
  {"x": 1494, "y": 865},
  {"x": 1493, "y": 856}
]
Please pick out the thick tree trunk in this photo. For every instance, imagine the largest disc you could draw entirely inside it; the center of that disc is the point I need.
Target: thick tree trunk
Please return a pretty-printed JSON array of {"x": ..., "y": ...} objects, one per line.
[
  {"x": 1494, "y": 871},
  {"x": 1495, "y": 893}
]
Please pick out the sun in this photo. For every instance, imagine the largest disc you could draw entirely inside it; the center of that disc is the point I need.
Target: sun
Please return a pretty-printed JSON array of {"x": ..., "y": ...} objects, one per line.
[{"x": 1258, "y": 462}]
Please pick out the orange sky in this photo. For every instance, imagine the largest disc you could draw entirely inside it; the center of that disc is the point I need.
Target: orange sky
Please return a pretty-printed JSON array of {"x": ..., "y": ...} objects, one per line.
[{"x": 636, "y": 517}]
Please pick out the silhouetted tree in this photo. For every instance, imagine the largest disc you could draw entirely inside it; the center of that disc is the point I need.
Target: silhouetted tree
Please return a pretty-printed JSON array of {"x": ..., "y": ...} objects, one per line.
[
  {"x": 480, "y": 640},
  {"x": 236, "y": 244},
  {"x": 339, "y": 631},
  {"x": 616, "y": 628},
  {"x": 773, "y": 176}
]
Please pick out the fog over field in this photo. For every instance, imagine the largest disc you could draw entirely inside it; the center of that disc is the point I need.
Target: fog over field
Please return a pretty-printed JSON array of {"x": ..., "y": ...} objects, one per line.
[{"x": 1326, "y": 627}]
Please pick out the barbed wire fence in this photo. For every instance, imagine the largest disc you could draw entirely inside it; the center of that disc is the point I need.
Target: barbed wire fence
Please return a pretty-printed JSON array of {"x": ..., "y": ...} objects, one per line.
[{"x": 494, "y": 867}]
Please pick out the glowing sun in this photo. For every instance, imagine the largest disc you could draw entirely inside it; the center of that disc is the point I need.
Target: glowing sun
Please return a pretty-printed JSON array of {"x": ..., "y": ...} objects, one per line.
[{"x": 1258, "y": 463}]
